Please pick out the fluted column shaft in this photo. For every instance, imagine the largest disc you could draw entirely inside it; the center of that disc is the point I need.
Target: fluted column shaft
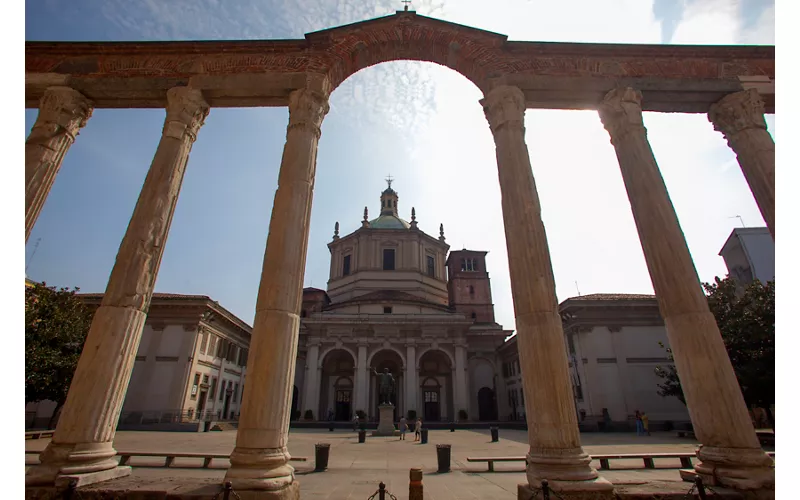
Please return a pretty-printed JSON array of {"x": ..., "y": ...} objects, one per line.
[
  {"x": 460, "y": 382},
  {"x": 361, "y": 379},
  {"x": 740, "y": 118},
  {"x": 411, "y": 380},
  {"x": 62, "y": 113},
  {"x": 260, "y": 459},
  {"x": 82, "y": 442},
  {"x": 730, "y": 451},
  {"x": 555, "y": 448}
]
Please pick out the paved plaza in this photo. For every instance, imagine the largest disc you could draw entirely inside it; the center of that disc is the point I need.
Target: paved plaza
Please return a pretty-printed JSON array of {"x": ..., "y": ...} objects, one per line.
[{"x": 354, "y": 470}]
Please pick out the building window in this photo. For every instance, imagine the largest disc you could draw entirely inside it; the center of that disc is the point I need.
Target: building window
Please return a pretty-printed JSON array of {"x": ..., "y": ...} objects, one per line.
[
  {"x": 390, "y": 203},
  {"x": 195, "y": 384},
  {"x": 471, "y": 290},
  {"x": 431, "y": 266},
  {"x": 235, "y": 393},
  {"x": 474, "y": 316},
  {"x": 212, "y": 345},
  {"x": 204, "y": 342},
  {"x": 387, "y": 309},
  {"x": 205, "y": 379},
  {"x": 469, "y": 265},
  {"x": 213, "y": 392},
  {"x": 346, "y": 265},
  {"x": 388, "y": 259}
]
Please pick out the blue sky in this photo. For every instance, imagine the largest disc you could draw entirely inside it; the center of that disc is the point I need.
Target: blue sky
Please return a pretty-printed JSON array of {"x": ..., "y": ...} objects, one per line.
[{"x": 420, "y": 122}]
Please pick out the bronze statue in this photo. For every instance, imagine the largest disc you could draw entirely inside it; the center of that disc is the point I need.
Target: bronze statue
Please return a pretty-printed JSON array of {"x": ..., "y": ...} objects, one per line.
[{"x": 385, "y": 386}]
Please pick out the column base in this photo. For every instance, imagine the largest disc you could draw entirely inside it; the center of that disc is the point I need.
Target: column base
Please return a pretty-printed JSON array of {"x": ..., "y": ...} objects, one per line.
[
  {"x": 736, "y": 468},
  {"x": 289, "y": 492},
  {"x": 264, "y": 470},
  {"x": 37, "y": 476},
  {"x": 594, "y": 489}
]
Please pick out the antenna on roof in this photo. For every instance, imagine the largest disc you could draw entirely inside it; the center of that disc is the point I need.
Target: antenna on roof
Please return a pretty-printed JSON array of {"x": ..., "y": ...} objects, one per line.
[
  {"x": 35, "y": 247},
  {"x": 576, "y": 287},
  {"x": 740, "y": 219}
]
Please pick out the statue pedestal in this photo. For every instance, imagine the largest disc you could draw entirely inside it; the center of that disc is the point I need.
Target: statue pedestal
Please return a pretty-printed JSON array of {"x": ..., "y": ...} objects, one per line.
[{"x": 386, "y": 422}]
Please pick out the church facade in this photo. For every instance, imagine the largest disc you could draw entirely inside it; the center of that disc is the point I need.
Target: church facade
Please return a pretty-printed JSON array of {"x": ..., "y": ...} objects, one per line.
[{"x": 398, "y": 299}]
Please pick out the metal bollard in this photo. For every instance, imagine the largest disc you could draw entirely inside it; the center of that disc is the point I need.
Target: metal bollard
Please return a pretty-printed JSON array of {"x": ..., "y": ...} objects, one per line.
[
  {"x": 381, "y": 491},
  {"x": 228, "y": 489},
  {"x": 415, "y": 484},
  {"x": 545, "y": 489},
  {"x": 701, "y": 490}
]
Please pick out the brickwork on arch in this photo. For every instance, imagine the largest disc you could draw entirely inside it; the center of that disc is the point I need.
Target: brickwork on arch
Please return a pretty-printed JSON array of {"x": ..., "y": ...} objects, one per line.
[{"x": 263, "y": 72}]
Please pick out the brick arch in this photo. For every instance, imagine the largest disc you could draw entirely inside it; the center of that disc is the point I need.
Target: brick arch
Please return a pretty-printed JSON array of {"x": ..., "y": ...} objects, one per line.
[{"x": 474, "y": 53}]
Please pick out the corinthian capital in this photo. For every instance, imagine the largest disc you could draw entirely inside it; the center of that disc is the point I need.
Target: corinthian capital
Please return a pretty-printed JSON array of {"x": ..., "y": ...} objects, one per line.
[
  {"x": 504, "y": 106},
  {"x": 736, "y": 112},
  {"x": 621, "y": 112},
  {"x": 62, "y": 110},
  {"x": 307, "y": 109},
  {"x": 186, "y": 113}
]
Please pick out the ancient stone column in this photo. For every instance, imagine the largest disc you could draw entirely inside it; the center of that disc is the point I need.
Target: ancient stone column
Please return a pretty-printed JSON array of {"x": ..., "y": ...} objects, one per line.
[
  {"x": 460, "y": 398},
  {"x": 62, "y": 113},
  {"x": 730, "y": 453},
  {"x": 555, "y": 446},
  {"x": 361, "y": 379},
  {"x": 412, "y": 386},
  {"x": 82, "y": 444},
  {"x": 260, "y": 460},
  {"x": 311, "y": 398},
  {"x": 740, "y": 118}
]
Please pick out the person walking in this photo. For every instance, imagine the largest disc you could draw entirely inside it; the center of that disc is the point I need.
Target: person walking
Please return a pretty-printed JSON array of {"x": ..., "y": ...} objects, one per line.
[
  {"x": 645, "y": 423},
  {"x": 403, "y": 428},
  {"x": 418, "y": 430},
  {"x": 639, "y": 424},
  {"x": 355, "y": 422}
]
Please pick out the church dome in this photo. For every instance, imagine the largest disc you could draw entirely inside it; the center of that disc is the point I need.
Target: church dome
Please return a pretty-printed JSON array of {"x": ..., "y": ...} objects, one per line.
[{"x": 389, "y": 221}]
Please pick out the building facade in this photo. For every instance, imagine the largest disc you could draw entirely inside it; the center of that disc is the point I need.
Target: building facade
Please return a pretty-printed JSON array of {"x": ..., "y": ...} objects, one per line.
[
  {"x": 190, "y": 366},
  {"x": 749, "y": 254},
  {"x": 397, "y": 299}
]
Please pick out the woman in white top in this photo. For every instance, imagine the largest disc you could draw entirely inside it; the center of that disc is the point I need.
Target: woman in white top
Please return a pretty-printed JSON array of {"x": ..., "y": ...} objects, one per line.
[{"x": 418, "y": 430}]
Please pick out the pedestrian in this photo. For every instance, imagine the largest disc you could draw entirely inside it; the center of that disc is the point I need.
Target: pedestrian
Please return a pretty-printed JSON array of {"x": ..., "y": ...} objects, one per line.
[
  {"x": 645, "y": 423},
  {"x": 418, "y": 430},
  {"x": 355, "y": 422},
  {"x": 639, "y": 424},
  {"x": 403, "y": 428},
  {"x": 330, "y": 415}
]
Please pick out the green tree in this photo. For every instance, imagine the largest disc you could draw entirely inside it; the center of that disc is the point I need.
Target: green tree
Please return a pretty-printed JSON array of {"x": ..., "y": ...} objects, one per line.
[
  {"x": 56, "y": 324},
  {"x": 746, "y": 320}
]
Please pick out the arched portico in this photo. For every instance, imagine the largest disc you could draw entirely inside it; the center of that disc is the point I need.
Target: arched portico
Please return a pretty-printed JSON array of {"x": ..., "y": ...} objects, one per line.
[
  {"x": 436, "y": 390},
  {"x": 188, "y": 77},
  {"x": 337, "y": 381},
  {"x": 386, "y": 358}
]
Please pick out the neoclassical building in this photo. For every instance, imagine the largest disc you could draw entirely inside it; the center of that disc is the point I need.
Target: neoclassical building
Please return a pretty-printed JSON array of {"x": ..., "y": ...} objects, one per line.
[{"x": 397, "y": 299}]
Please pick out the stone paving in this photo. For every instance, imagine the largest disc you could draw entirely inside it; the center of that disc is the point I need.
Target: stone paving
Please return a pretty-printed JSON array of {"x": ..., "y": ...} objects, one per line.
[{"x": 354, "y": 470}]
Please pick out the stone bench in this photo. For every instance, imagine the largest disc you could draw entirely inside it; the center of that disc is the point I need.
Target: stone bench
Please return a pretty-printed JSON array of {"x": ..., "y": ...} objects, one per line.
[
  {"x": 647, "y": 458},
  {"x": 170, "y": 457},
  {"x": 491, "y": 460},
  {"x": 38, "y": 434}
]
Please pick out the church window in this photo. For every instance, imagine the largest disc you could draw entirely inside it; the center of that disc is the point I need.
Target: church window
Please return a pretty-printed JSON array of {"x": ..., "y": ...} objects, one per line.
[
  {"x": 387, "y": 310},
  {"x": 431, "y": 265},
  {"x": 389, "y": 202},
  {"x": 468, "y": 265},
  {"x": 388, "y": 259},
  {"x": 346, "y": 265}
]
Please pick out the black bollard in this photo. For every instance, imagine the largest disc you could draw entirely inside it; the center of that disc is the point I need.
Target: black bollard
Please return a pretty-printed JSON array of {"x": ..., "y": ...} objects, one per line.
[
  {"x": 443, "y": 457},
  {"x": 494, "y": 432},
  {"x": 701, "y": 490},
  {"x": 362, "y": 436},
  {"x": 381, "y": 491},
  {"x": 322, "y": 452},
  {"x": 452, "y": 426},
  {"x": 545, "y": 490},
  {"x": 423, "y": 436}
]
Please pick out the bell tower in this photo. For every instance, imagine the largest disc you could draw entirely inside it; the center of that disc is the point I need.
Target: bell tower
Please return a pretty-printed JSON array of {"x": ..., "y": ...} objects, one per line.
[
  {"x": 468, "y": 285},
  {"x": 389, "y": 199}
]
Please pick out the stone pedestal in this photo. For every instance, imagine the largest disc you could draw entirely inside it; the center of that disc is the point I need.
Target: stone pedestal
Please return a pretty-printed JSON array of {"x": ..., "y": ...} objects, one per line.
[{"x": 386, "y": 422}]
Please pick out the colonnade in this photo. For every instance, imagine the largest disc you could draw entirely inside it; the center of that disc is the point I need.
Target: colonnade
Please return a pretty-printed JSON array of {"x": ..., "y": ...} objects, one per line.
[{"x": 82, "y": 445}]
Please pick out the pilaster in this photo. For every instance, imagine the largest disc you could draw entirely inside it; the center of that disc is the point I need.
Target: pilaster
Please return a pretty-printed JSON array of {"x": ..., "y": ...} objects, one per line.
[
  {"x": 730, "y": 453},
  {"x": 82, "y": 444},
  {"x": 62, "y": 113}
]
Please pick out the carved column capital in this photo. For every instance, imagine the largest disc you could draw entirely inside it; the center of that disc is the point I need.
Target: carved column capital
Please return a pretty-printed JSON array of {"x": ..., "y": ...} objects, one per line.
[
  {"x": 62, "y": 110},
  {"x": 186, "y": 113},
  {"x": 307, "y": 109},
  {"x": 504, "y": 106},
  {"x": 738, "y": 111},
  {"x": 621, "y": 112}
]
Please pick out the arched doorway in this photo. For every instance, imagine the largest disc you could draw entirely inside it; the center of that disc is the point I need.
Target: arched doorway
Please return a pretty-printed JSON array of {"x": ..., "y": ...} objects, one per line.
[
  {"x": 487, "y": 407},
  {"x": 386, "y": 358},
  {"x": 436, "y": 387},
  {"x": 336, "y": 385}
]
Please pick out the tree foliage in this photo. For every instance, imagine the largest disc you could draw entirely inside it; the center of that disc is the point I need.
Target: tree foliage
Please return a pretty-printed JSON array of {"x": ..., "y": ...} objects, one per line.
[
  {"x": 56, "y": 324},
  {"x": 746, "y": 320}
]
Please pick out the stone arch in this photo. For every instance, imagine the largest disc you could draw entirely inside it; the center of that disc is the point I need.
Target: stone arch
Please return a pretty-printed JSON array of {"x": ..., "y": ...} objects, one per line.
[
  {"x": 335, "y": 399},
  {"x": 387, "y": 348},
  {"x": 446, "y": 353},
  {"x": 391, "y": 358},
  {"x": 329, "y": 350},
  {"x": 475, "y": 54}
]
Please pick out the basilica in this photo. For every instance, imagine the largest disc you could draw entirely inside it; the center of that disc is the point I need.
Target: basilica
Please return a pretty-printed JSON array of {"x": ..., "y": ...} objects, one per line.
[{"x": 398, "y": 299}]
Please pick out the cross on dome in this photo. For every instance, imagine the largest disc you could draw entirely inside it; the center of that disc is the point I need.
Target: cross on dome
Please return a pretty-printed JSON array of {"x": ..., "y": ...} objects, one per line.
[{"x": 389, "y": 180}]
